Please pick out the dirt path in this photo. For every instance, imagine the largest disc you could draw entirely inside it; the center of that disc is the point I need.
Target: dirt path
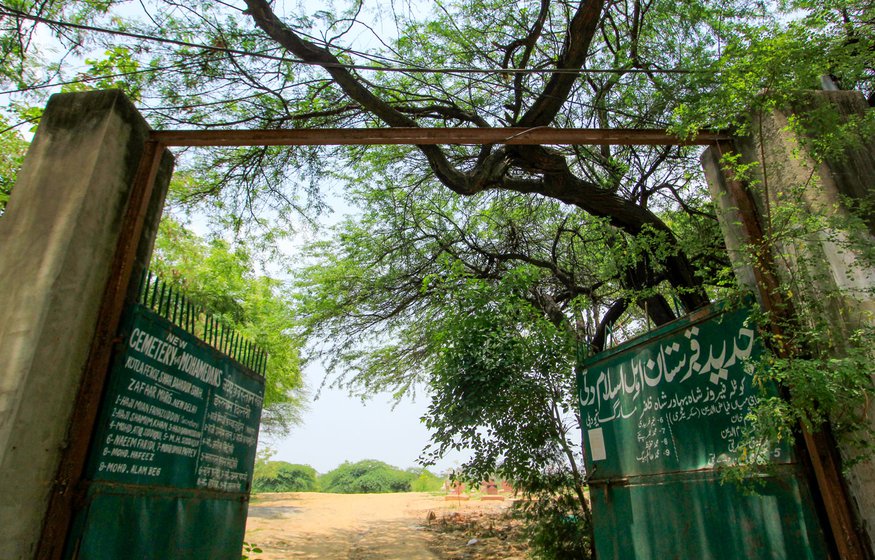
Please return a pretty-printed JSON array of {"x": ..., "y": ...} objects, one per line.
[{"x": 368, "y": 527}]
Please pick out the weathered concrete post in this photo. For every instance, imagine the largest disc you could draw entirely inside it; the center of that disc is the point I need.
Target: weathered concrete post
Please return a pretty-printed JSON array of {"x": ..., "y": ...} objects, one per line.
[
  {"x": 826, "y": 265},
  {"x": 58, "y": 240}
]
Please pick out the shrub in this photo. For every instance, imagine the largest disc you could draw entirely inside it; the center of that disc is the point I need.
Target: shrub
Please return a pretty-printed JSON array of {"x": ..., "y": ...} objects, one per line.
[
  {"x": 279, "y": 476},
  {"x": 556, "y": 529},
  {"x": 366, "y": 477},
  {"x": 424, "y": 481}
]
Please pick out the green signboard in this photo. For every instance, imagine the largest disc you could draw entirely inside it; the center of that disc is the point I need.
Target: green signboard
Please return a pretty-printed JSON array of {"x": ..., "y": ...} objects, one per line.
[
  {"x": 662, "y": 414},
  {"x": 171, "y": 461}
]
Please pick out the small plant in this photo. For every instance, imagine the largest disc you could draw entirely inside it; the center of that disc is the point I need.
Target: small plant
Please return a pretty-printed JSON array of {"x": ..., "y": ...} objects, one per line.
[{"x": 249, "y": 549}]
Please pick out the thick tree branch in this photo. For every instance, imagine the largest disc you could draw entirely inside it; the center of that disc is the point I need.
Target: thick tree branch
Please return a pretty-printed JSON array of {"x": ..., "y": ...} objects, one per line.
[
  {"x": 446, "y": 112},
  {"x": 529, "y": 43},
  {"x": 581, "y": 30},
  {"x": 597, "y": 344},
  {"x": 492, "y": 170},
  {"x": 268, "y": 22},
  {"x": 560, "y": 183}
]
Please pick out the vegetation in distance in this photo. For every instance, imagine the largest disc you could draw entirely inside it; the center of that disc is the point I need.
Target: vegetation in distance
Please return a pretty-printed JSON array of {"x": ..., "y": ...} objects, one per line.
[{"x": 363, "y": 477}]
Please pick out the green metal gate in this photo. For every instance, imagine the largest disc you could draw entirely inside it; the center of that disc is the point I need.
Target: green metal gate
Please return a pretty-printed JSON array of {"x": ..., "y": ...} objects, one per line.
[
  {"x": 662, "y": 414},
  {"x": 171, "y": 460}
]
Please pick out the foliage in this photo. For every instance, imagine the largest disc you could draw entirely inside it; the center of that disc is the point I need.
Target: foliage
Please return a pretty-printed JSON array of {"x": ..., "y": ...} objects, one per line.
[
  {"x": 12, "y": 150},
  {"x": 182, "y": 85},
  {"x": 366, "y": 477},
  {"x": 249, "y": 549},
  {"x": 819, "y": 333},
  {"x": 425, "y": 480},
  {"x": 502, "y": 385},
  {"x": 221, "y": 277},
  {"x": 773, "y": 59},
  {"x": 692, "y": 65},
  {"x": 279, "y": 476},
  {"x": 555, "y": 528}
]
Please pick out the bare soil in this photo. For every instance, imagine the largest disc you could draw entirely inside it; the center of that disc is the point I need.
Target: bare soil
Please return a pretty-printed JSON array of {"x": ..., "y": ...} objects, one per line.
[{"x": 411, "y": 526}]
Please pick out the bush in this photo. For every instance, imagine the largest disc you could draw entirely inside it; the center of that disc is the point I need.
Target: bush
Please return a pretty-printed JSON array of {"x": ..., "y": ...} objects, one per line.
[
  {"x": 425, "y": 481},
  {"x": 556, "y": 529},
  {"x": 279, "y": 476},
  {"x": 366, "y": 477}
]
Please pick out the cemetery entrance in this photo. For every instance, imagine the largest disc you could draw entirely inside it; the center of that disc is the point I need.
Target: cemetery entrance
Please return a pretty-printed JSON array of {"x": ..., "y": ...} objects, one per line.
[
  {"x": 662, "y": 414},
  {"x": 78, "y": 437}
]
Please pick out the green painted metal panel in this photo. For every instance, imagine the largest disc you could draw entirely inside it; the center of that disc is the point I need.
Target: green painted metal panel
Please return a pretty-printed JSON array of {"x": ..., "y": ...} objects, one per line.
[
  {"x": 172, "y": 457},
  {"x": 126, "y": 523},
  {"x": 177, "y": 413},
  {"x": 674, "y": 400},
  {"x": 692, "y": 515},
  {"x": 662, "y": 414}
]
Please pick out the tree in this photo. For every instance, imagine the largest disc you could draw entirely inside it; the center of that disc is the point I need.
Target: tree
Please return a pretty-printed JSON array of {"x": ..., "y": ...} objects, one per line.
[
  {"x": 222, "y": 279},
  {"x": 374, "y": 291},
  {"x": 366, "y": 477},
  {"x": 503, "y": 387},
  {"x": 536, "y": 66},
  {"x": 12, "y": 150},
  {"x": 555, "y": 36},
  {"x": 279, "y": 476},
  {"x": 486, "y": 301}
]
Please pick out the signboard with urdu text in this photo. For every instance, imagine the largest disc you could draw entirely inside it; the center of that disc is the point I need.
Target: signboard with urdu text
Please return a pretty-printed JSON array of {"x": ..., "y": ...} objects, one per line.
[{"x": 662, "y": 415}]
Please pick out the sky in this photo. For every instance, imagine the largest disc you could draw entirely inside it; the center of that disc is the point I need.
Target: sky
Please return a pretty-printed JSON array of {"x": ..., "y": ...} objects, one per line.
[{"x": 340, "y": 428}]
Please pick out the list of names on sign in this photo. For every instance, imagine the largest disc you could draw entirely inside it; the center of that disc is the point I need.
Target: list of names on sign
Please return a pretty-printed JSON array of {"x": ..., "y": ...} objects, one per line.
[{"x": 178, "y": 413}]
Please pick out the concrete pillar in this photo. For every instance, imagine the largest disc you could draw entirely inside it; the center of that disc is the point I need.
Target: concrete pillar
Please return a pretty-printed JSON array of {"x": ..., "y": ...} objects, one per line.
[
  {"x": 825, "y": 267},
  {"x": 57, "y": 241}
]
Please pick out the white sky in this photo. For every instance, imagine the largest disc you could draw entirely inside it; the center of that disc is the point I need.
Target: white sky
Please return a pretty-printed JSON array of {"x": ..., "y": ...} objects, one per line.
[{"x": 338, "y": 428}]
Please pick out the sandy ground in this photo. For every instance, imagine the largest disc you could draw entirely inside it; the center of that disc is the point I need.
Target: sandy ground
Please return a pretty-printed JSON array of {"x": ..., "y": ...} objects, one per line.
[{"x": 413, "y": 526}]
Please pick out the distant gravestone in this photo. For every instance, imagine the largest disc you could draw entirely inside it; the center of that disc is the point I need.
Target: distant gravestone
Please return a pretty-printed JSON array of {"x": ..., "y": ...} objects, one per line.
[
  {"x": 456, "y": 491},
  {"x": 490, "y": 490}
]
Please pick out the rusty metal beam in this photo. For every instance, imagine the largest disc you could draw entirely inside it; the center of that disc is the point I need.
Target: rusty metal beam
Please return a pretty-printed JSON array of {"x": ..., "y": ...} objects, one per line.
[{"x": 431, "y": 136}]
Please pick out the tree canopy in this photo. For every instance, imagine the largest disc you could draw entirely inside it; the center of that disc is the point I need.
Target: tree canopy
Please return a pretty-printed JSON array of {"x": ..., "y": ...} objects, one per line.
[
  {"x": 634, "y": 63},
  {"x": 222, "y": 279},
  {"x": 12, "y": 149}
]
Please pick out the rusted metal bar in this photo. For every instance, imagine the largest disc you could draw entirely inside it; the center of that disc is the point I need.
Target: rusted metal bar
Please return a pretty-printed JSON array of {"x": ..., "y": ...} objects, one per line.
[
  {"x": 65, "y": 490},
  {"x": 819, "y": 447},
  {"x": 432, "y": 136}
]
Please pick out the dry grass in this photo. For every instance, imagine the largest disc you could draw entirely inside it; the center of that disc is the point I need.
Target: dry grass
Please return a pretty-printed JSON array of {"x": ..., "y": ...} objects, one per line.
[{"x": 476, "y": 535}]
